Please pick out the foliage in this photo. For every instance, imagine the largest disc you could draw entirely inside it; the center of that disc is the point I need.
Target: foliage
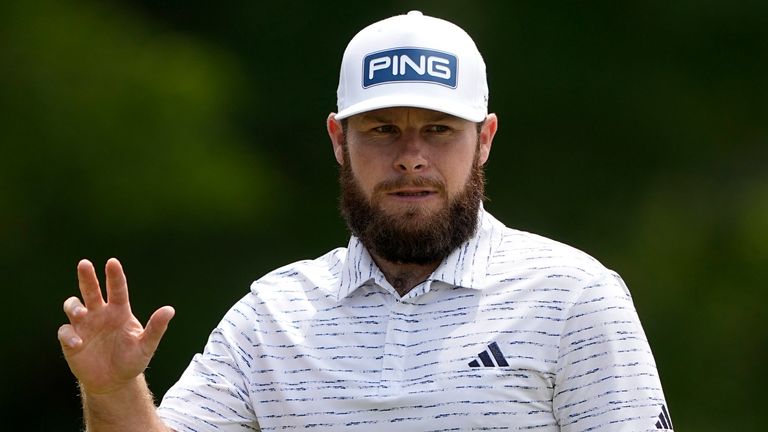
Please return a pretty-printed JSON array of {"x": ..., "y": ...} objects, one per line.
[{"x": 188, "y": 139}]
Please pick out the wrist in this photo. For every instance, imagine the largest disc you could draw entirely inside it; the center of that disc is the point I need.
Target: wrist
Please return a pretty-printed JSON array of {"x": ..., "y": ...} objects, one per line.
[{"x": 128, "y": 407}]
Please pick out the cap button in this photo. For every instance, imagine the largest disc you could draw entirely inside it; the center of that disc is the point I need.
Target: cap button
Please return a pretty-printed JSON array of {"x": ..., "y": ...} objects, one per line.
[{"x": 415, "y": 13}]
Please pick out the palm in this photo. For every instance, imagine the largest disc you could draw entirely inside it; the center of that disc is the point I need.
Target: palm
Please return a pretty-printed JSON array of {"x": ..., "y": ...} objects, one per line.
[
  {"x": 111, "y": 348},
  {"x": 104, "y": 344}
]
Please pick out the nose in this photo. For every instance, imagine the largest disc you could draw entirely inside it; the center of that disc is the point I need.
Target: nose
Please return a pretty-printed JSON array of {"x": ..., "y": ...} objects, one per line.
[{"x": 411, "y": 157}]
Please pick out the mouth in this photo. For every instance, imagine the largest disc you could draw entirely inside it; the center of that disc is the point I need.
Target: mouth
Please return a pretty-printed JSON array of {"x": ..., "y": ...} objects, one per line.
[
  {"x": 412, "y": 193},
  {"x": 412, "y": 196},
  {"x": 408, "y": 193}
]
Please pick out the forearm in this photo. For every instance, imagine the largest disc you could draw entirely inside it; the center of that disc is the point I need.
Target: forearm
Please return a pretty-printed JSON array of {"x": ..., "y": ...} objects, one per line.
[{"x": 129, "y": 409}]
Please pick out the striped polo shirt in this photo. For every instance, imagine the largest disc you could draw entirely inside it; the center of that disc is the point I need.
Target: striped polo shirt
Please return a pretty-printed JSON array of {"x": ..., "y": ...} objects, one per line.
[{"x": 512, "y": 331}]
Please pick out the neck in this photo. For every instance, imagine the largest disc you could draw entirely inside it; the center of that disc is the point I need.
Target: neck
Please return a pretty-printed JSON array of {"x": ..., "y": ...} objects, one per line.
[{"x": 404, "y": 277}]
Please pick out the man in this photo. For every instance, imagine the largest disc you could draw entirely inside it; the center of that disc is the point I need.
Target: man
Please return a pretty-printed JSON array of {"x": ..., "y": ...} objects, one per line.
[{"x": 435, "y": 317}]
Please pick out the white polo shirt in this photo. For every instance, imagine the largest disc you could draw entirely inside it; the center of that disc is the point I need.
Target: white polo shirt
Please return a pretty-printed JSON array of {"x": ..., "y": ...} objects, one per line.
[{"x": 511, "y": 332}]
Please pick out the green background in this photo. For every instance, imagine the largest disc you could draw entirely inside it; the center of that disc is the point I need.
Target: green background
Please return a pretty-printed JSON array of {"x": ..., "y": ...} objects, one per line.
[{"x": 188, "y": 139}]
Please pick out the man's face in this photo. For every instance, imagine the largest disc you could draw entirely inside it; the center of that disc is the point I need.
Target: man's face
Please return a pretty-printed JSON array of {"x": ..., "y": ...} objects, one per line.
[{"x": 412, "y": 181}]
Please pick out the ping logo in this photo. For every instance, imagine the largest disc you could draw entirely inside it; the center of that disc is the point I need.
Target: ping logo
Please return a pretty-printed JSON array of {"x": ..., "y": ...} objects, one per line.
[{"x": 410, "y": 65}]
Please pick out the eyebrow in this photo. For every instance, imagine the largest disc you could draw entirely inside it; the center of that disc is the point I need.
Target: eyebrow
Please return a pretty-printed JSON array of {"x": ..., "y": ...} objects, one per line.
[
  {"x": 443, "y": 116},
  {"x": 375, "y": 118}
]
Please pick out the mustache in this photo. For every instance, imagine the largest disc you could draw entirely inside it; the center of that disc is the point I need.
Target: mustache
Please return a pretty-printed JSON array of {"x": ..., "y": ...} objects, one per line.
[{"x": 409, "y": 181}]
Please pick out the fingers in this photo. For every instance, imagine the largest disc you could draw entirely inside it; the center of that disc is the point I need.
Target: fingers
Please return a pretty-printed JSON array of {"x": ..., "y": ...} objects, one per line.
[
  {"x": 74, "y": 310},
  {"x": 89, "y": 284},
  {"x": 68, "y": 338},
  {"x": 117, "y": 286},
  {"x": 156, "y": 327}
]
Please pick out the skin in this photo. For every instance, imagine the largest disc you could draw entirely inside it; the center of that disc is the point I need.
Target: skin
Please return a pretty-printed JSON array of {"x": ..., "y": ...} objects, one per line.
[
  {"x": 392, "y": 143},
  {"x": 108, "y": 349}
]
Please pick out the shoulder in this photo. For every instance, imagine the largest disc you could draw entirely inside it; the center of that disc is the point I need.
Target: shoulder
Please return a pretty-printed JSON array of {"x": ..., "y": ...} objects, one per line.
[
  {"x": 532, "y": 265},
  {"x": 300, "y": 282},
  {"x": 288, "y": 295},
  {"x": 528, "y": 253},
  {"x": 321, "y": 272}
]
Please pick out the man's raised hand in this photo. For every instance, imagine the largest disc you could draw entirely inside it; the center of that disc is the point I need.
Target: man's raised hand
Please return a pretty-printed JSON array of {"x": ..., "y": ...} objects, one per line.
[{"x": 104, "y": 344}]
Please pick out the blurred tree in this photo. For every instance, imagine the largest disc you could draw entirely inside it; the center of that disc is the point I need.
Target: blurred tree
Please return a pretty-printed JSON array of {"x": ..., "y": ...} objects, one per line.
[
  {"x": 117, "y": 125},
  {"x": 188, "y": 139},
  {"x": 118, "y": 138}
]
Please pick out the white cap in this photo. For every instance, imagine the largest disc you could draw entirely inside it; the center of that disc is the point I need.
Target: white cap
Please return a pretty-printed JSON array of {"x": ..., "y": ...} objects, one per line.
[{"x": 413, "y": 61}]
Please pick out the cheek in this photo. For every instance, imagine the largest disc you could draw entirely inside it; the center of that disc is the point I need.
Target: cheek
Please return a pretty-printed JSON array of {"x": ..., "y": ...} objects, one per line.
[
  {"x": 365, "y": 171},
  {"x": 456, "y": 175}
]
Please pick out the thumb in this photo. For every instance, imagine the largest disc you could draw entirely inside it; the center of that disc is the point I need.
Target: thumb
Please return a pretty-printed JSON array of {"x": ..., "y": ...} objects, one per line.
[{"x": 156, "y": 327}]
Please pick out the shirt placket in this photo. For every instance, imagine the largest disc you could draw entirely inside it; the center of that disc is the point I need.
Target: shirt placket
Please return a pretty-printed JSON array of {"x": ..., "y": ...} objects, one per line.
[{"x": 394, "y": 351}]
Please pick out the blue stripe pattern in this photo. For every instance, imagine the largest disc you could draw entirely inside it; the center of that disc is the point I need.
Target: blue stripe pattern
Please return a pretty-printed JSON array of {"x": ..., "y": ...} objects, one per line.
[{"x": 328, "y": 344}]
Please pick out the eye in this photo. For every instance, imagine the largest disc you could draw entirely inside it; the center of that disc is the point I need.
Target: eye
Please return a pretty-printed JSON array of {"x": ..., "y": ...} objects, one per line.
[
  {"x": 385, "y": 129},
  {"x": 439, "y": 129}
]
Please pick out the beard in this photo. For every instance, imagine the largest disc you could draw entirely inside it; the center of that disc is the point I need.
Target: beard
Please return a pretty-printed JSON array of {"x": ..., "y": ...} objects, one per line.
[{"x": 414, "y": 236}]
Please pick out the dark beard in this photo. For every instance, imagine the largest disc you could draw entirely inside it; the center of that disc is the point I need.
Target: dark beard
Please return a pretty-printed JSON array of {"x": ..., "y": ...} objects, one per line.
[{"x": 412, "y": 238}]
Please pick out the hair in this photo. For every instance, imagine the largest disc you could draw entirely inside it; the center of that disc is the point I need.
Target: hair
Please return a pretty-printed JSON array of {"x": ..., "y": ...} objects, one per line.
[{"x": 398, "y": 239}]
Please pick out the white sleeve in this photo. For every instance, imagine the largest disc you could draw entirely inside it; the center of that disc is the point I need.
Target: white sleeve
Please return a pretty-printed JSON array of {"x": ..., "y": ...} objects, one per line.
[
  {"x": 606, "y": 374},
  {"x": 212, "y": 393}
]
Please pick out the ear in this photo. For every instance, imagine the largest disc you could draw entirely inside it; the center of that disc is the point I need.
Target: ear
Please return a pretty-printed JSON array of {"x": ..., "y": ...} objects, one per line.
[
  {"x": 487, "y": 132},
  {"x": 336, "y": 133}
]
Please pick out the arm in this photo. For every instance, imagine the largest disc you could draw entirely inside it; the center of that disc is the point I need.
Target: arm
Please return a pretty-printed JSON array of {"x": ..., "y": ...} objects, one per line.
[
  {"x": 108, "y": 349},
  {"x": 606, "y": 375}
]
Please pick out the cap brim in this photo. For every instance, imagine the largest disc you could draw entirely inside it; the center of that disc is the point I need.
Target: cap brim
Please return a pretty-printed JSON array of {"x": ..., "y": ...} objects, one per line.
[{"x": 435, "y": 104}]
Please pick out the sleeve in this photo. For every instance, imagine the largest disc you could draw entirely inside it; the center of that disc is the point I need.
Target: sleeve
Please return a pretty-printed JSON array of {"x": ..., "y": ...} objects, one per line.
[
  {"x": 606, "y": 377},
  {"x": 212, "y": 393}
]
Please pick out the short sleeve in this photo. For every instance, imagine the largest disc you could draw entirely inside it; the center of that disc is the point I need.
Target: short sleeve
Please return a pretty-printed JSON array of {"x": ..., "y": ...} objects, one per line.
[
  {"x": 606, "y": 378},
  {"x": 212, "y": 393}
]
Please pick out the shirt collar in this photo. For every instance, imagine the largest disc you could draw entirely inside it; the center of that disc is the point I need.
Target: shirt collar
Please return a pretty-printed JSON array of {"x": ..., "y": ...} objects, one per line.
[
  {"x": 358, "y": 268},
  {"x": 466, "y": 266}
]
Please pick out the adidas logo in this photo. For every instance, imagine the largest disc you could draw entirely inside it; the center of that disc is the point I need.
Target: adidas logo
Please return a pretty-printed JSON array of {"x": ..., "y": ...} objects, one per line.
[
  {"x": 664, "y": 421},
  {"x": 488, "y": 356}
]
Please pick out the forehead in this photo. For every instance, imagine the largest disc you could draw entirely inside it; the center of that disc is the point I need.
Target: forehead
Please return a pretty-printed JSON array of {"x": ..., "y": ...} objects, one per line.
[{"x": 407, "y": 114}]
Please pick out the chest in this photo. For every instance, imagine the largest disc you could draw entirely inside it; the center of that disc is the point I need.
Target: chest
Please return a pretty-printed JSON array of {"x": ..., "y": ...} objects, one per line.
[{"x": 460, "y": 360}]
